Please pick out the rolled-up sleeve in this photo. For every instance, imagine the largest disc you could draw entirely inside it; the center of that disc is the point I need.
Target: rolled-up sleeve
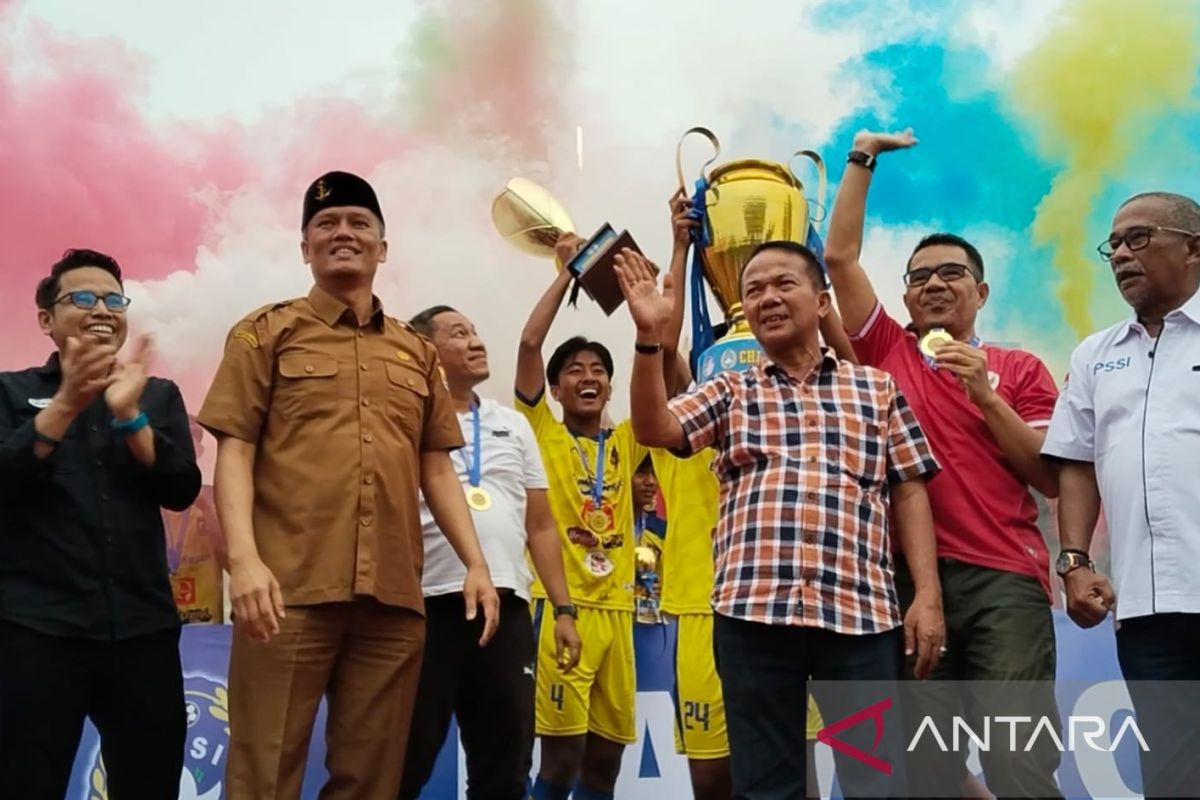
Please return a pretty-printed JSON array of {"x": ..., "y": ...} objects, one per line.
[
  {"x": 703, "y": 414},
  {"x": 909, "y": 453}
]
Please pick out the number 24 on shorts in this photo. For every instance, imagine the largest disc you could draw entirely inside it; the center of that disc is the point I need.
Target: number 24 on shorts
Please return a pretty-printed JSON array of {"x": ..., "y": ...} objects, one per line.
[{"x": 697, "y": 713}]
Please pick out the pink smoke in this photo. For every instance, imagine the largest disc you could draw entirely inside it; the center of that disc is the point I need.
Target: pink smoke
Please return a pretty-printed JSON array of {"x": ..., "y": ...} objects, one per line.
[{"x": 81, "y": 167}]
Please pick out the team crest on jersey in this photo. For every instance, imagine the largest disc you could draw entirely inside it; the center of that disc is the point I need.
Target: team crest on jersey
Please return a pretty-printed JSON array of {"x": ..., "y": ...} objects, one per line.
[
  {"x": 993, "y": 379},
  {"x": 207, "y": 704}
]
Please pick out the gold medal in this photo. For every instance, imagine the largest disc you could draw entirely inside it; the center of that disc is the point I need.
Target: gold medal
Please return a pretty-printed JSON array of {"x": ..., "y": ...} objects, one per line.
[
  {"x": 647, "y": 558},
  {"x": 931, "y": 340},
  {"x": 478, "y": 499},
  {"x": 597, "y": 521},
  {"x": 598, "y": 563}
]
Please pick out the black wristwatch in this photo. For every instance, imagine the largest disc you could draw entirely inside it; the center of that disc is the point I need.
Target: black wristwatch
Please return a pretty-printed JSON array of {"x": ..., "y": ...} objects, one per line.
[
  {"x": 862, "y": 159},
  {"x": 568, "y": 610},
  {"x": 1071, "y": 560},
  {"x": 647, "y": 349}
]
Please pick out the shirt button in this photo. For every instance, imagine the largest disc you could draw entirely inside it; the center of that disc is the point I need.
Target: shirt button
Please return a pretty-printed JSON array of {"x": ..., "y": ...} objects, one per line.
[
  {"x": 99, "y": 462},
  {"x": 363, "y": 367},
  {"x": 810, "y": 538},
  {"x": 104, "y": 497},
  {"x": 366, "y": 401},
  {"x": 806, "y": 390},
  {"x": 812, "y": 459},
  {"x": 410, "y": 381},
  {"x": 812, "y": 495},
  {"x": 308, "y": 368},
  {"x": 811, "y": 422},
  {"x": 361, "y": 333},
  {"x": 366, "y": 521},
  {"x": 95, "y": 428},
  {"x": 368, "y": 480},
  {"x": 367, "y": 438}
]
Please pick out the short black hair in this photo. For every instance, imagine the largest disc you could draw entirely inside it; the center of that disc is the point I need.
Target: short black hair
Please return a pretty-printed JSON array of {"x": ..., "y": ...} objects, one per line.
[
  {"x": 974, "y": 259},
  {"x": 75, "y": 258},
  {"x": 812, "y": 265},
  {"x": 572, "y": 347},
  {"x": 422, "y": 323},
  {"x": 646, "y": 465},
  {"x": 1182, "y": 211}
]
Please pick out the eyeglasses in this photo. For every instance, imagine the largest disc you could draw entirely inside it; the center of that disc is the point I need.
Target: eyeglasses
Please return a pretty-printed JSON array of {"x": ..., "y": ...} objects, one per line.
[
  {"x": 1135, "y": 238},
  {"x": 948, "y": 272},
  {"x": 86, "y": 300}
]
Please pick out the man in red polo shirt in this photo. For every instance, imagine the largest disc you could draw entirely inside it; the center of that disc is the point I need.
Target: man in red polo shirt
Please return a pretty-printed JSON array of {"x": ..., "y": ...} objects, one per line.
[{"x": 985, "y": 410}]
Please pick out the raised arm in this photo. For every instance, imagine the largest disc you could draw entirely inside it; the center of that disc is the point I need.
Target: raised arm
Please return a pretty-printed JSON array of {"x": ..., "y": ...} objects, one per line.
[
  {"x": 843, "y": 247},
  {"x": 531, "y": 379},
  {"x": 653, "y": 423},
  {"x": 681, "y": 228}
]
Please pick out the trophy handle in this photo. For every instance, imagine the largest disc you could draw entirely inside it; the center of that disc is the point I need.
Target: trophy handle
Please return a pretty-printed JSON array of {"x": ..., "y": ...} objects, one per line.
[
  {"x": 712, "y": 139},
  {"x": 820, "y": 201}
]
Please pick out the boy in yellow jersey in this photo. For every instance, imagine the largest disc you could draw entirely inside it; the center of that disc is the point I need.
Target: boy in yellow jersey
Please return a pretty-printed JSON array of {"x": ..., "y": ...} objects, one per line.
[{"x": 585, "y": 717}]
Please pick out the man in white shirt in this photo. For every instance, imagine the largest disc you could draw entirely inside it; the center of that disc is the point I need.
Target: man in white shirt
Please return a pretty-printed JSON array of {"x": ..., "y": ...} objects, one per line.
[
  {"x": 1127, "y": 428},
  {"x": 489, "y": 690}
]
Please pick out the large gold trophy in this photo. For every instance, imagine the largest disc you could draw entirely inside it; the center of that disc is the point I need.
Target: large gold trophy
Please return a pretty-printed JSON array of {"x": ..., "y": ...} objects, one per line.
[
  {"x": 740, "y": 205},
  {"x": 531, "y": 219}
]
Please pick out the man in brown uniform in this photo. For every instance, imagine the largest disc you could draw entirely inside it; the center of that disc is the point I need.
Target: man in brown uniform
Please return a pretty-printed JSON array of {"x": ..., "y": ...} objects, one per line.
[{"x": 329, "y": 416}]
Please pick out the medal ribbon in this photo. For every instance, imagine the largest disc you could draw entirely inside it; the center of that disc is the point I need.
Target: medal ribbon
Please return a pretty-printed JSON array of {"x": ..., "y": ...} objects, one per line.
[
  {"x": 598, "y": 482},
  {"x": 475, "y": 462}
]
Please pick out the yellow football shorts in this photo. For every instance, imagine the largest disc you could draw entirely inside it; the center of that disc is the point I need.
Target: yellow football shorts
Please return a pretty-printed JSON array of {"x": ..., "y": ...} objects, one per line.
[
  {"x": 699, "y": 707},
  {"x": 599, "y": 695}
]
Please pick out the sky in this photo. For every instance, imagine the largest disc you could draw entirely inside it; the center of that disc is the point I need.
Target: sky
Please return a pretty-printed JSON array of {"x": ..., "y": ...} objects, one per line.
[{"x": 180, "y": 139}]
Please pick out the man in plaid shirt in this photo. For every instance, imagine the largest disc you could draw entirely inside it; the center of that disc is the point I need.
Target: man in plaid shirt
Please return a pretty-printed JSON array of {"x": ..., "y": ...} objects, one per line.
[{"x": 812, "y": 454}]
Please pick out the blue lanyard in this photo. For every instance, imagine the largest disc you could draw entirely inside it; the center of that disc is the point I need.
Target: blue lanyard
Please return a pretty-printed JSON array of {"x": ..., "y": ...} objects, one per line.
[
  {"x": 474, "y": 463},
  {"x": 639, "y": 524},
  {"x": 598, "y": 485}
]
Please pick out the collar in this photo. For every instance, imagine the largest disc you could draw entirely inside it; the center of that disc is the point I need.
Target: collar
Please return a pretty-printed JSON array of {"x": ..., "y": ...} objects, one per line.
[
  {"x": 53, "y": 365},
  {"x": 1190, "y": 309},
  {"x": 829, "y": 361},
  {"x": 329, "y": 309}
]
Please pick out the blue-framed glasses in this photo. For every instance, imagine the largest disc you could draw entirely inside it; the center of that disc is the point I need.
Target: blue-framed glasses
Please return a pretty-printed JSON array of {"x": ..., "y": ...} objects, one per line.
[{"x": 113, "y": 301}]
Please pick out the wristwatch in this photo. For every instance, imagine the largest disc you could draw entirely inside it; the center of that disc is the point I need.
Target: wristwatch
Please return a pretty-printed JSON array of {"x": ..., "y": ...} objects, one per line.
[
  {"x": 568, "y": 610},
  {"x": 1071, "y": 560},
  {"x": 862, "y": 159}
]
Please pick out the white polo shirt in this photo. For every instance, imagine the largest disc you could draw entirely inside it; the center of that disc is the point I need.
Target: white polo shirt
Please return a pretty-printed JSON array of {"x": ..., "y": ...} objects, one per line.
[
  {"x": 510, "y": 465},
  {"x": 1136, "y": 416}
]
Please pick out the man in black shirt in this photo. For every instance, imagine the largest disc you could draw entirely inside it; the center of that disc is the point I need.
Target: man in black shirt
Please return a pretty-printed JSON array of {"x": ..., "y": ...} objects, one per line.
[{"x": 90, "y": 449}]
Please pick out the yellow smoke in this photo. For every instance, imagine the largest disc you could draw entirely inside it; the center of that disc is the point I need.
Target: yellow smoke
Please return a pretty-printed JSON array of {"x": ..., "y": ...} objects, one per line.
[{"x": 1092, "y": 87}]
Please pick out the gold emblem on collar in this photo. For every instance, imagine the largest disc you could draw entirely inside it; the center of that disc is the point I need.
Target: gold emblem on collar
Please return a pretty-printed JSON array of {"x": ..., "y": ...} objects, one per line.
[{"x": 403, "y": 356}]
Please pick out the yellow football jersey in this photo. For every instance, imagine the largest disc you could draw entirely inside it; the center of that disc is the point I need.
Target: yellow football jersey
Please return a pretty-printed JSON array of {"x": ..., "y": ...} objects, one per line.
[
  {"x": 597, "y": 542},
  {"x": 691, "y": 495}
]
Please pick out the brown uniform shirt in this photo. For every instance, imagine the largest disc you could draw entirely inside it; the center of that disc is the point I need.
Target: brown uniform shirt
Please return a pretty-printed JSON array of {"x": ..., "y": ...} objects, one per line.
[{"x": 340, "y": 414}]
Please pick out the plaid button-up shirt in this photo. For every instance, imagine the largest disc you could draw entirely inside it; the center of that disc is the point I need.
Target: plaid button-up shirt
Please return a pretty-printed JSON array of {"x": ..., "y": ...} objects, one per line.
[{"x": 804, "y": 466}]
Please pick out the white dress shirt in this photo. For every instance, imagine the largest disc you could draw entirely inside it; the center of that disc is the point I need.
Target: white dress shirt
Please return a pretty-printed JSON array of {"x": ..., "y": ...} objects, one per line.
[
  {"x": 510, "y": 465},
  {"x": 1131, "y": 406}
]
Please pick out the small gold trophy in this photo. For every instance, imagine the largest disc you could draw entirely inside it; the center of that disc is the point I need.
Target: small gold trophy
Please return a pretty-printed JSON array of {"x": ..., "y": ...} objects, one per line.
[{"x": 531, "y": 219}]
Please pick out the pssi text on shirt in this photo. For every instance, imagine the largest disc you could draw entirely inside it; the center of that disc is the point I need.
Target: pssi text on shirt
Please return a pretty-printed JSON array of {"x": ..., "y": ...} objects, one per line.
[{"x": 1111, "y": 366}]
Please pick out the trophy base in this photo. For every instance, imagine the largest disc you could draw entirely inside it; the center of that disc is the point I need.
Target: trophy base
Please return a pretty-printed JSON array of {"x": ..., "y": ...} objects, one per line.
[
  {"x": 594, "y": 267},
  {"x": 736, "y": 351}
]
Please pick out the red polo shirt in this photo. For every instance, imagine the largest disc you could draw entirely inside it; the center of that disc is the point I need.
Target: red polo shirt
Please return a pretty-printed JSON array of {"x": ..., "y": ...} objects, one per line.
[{"x": 983, "y": 512}]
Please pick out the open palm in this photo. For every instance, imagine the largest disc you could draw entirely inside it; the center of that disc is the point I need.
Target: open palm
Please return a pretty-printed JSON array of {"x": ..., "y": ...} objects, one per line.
[
  {"x": 650, "y": 308},
  {"x": 123, "y": 394}
]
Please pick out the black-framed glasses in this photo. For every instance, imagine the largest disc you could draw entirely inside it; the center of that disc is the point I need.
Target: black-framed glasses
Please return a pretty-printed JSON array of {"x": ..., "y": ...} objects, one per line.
[
  {"x": 85, "y": 299},
  {"x": 948, "y": 272},
  {"x": 1135, "y": 238}
]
